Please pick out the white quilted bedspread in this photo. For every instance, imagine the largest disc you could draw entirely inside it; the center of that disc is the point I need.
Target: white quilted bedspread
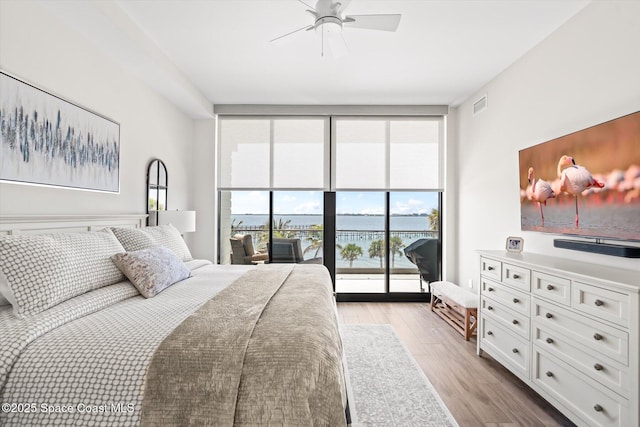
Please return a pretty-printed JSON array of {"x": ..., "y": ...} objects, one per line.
[{"x": 87, "y": 365}]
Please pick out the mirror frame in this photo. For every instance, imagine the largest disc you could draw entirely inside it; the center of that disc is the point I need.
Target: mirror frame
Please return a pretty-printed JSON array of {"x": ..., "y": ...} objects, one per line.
[{"x": 154, "y": 185}]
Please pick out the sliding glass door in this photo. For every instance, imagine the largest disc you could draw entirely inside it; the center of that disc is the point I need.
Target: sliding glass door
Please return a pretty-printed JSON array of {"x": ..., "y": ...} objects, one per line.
[
  {"x": 386, "y": 243},
  {"x": 414, "y": 242},
  {"x": 360, "y": 234}
]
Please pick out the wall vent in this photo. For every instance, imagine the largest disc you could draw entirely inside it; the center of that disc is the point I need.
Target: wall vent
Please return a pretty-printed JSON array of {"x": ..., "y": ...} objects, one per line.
[{"x": 480, "y": 105}]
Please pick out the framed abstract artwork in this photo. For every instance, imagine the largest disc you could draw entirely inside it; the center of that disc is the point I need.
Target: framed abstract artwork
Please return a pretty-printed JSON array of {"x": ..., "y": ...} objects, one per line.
[{"x": 46, "y": 140}]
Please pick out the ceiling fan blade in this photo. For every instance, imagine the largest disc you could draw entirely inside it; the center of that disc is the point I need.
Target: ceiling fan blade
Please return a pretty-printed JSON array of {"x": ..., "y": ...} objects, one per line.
[
  {"x": 306, "y": 27},
  {"x": 306, "y": 5},
  {"x": 388, "y": 22},
  {"x": 343, "y": 5}
]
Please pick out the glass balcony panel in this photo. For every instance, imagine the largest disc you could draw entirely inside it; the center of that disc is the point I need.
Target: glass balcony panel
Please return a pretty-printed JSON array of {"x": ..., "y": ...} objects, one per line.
[
  {"x": 298, "y": 226},
  {"x": 360, "y": 250},
  {"x": 243, "y": 212},
  {"x": 413, "y": 223}
]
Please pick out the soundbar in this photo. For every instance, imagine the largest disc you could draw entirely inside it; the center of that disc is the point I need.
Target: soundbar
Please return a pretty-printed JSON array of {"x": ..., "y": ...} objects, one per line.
[{"x": 598, "y": 248}]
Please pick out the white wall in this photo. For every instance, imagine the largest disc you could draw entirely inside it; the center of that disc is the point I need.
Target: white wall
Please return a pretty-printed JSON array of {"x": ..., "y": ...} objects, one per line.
[
  {"x": 204, "y": 241},
  {"x": 36, "y": 46},
  {"x": 585, "y": 73}
]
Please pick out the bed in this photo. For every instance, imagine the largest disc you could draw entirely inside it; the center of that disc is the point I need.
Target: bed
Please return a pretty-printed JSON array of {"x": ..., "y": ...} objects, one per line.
[{"x": 224, "y": 345}]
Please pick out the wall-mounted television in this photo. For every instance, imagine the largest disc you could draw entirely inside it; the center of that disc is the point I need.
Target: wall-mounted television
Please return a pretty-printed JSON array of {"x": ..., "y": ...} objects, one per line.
[{"x": 586, "y": 183}]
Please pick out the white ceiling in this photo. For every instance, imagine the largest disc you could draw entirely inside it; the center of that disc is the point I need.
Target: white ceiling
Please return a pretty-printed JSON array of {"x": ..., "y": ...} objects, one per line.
[{"x": 442, "y": 52}]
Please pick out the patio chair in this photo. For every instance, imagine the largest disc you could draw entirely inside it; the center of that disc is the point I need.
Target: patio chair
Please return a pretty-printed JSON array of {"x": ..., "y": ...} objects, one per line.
[
  {"x": 290, "y": 251},
  {"x": 242, "y": 251}
]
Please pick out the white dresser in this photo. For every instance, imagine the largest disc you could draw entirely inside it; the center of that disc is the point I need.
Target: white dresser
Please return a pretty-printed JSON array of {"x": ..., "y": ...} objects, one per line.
[{"x": 570, "y": 330}]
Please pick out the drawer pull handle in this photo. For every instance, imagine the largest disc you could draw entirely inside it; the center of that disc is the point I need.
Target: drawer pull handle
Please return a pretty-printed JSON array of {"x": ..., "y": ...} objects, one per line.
[
  {"x": 598, "y": 367},
  {"x": 515, "y": 350},
  {"x": 548, "y": 315},
  {"x": 489, "y": 268},
  {"x": 549, "y": 374},
  {"x": 597, "y": 337},
  {"x": 549, "y": 340},
  {"x": 550, "y": 287},
  {"x": 599, "y": 302},
  {"x": 490, "y": 289},
  {"x": 515, "y": 322},
  {"x": 598, "y": 408},
  {"x": 489, "y": 333},
  {"x": 515, "y": 276},
  {"x": 516, "y": 300},
  {"x": 489, "y": 308}
]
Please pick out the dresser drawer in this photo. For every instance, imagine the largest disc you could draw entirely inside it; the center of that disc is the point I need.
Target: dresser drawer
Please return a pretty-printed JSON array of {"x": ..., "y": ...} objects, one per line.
[
  {"x": 517, "y": 277},
  {"x": 602, "y": 369},
  {"x": 513, "y": 299},
  {"x": 585, "y": 397},
  {"x": 556, "y": 289},
  {"x": 491, "y": 268},
  {"x": 515, "y": 322},
  {"x": 590, "y": 333},
  {"x": 505, "y": 345},
  {"x": 602, "y": 303}
]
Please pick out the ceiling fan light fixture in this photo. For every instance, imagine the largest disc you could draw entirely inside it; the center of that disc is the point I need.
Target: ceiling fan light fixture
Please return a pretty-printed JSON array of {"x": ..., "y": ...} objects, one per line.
[{"x": 329, "y": 24}]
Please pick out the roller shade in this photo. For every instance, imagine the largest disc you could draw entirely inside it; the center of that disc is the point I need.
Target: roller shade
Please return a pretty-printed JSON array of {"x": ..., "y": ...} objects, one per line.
[
  {"x": 272, "y": 153},
  {"x": 388, "y": 153}
]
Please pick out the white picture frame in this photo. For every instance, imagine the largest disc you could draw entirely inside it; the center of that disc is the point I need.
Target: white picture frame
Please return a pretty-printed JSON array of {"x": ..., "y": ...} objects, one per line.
[
  {"x": 514, "y": 244},
  {"x": 46, "y": 140}
]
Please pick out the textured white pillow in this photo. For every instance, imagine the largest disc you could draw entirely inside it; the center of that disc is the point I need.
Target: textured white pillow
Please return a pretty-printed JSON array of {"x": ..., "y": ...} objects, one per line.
[
  {"x": 40, "y": 271},
  {"x": 135, "y": 239},
  {"x": 3, "y": 281},
  {"x": 151, "y": 270}
]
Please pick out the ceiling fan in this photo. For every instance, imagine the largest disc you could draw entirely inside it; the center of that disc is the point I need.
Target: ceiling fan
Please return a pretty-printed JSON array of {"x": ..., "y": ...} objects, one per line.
[{"x": 329, "y": 20}]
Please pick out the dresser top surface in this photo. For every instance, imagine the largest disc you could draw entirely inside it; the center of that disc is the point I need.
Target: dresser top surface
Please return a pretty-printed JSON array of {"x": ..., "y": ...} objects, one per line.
[{"x": 628, "y": 278}]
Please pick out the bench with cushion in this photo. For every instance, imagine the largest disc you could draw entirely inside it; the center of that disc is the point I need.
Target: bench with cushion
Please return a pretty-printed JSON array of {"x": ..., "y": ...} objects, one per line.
[{"x": 457, "y": 306}]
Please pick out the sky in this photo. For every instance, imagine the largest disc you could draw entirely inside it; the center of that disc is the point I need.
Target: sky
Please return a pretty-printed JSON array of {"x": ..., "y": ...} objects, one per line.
[{"x": 351, "y": 202}]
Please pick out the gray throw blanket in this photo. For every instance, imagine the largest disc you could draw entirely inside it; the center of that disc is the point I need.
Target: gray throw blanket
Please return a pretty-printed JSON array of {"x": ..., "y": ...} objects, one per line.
[{"x": 264, "y": 351}]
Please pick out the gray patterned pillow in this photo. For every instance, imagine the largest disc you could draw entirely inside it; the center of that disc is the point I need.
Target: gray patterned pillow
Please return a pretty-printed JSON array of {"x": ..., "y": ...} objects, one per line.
[
  {"x": 134, "y": 239},
  {"x": 40, "y": 271},
  {"x": 151, "y": 270}
]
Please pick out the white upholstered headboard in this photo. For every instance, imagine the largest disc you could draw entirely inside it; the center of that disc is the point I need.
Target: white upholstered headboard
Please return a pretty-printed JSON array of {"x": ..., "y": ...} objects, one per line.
[{"x": 38, "y": 224}]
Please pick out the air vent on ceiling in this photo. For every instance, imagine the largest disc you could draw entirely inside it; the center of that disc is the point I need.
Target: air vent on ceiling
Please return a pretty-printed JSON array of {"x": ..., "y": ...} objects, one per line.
[{"x": 480, "y": 105}]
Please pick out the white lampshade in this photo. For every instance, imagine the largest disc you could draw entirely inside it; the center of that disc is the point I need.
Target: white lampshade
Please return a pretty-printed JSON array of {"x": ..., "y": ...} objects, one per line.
[{"x": 183, "y": 221}]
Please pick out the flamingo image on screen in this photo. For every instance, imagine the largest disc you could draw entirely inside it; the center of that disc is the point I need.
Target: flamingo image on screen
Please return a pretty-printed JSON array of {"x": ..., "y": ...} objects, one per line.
[
  {"x": 575, "y": 179},
  {"x": 540, "y": 191},
  {"x": 588, "y": 182}
]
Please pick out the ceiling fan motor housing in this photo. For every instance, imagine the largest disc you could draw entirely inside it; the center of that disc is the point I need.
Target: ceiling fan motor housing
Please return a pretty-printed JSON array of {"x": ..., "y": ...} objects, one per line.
[{"x": 328, "y": 24}]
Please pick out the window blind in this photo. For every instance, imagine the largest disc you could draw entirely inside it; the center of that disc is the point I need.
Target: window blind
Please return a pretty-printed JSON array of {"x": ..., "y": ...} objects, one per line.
[
  {"x": 272, "y": 153},
  {"x": 367, "y": 153},
  {"x": 388, "y": 153}
]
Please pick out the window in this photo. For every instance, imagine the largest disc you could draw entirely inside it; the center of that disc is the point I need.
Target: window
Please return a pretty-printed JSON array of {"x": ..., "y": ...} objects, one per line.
[{"x": 374, "y": 182}]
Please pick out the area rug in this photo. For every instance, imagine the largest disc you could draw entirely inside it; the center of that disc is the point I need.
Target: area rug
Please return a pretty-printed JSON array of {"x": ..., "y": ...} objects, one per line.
[{"x": 387, "y": 387}]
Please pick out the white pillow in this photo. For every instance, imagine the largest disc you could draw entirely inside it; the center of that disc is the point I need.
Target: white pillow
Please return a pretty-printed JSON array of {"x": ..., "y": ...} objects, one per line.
[
  {"x": 40, "y": 271},
  {"x": 151, "y": 270},
  {"x": 134, "y": 239},
  {"x": 3, "y": 281}
]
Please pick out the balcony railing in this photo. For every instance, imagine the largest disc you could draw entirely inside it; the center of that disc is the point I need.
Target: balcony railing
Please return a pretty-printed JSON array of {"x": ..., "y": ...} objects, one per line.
[
  {"x": 304, "y": 232},
  {"x": 341, "y": 235}
]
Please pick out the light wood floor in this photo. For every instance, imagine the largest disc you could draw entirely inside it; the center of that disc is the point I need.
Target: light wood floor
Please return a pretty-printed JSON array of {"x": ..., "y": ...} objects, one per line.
[{"x": 477, "y": 390}]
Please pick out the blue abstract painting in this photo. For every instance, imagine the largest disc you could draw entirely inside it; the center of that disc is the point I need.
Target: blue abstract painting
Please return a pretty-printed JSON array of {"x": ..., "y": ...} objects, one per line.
[{"x": 46, "y": 140}]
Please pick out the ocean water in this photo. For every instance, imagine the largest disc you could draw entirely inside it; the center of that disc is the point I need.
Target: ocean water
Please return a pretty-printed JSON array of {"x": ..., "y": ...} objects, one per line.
[
  {"x": 613, "y": 221},
  {"x": 358, "y": 229}
]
